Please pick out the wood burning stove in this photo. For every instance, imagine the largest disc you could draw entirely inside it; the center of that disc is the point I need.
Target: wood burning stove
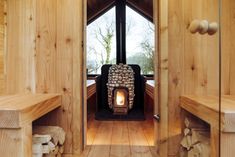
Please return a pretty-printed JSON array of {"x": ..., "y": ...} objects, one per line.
[
  {"x": 128, "y": 78},
  {"x": 120, "y": 101},
  {"x": 121, "y": 87}
]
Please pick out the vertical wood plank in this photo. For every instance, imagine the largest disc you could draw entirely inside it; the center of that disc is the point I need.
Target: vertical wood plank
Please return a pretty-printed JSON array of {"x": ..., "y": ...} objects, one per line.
[
  {"x": 79, "y": 65},
  {"x": 16, "y": 142},
  {"x": 84, "y": 72},
  {"x": 20, "y": 76},
  {"x": 60, "y": 64},
  {"x": 214, "y": 143},
  {"x": 193, "y": 62},
  {"x": 163, "y": 77},
  {"x": 156, "y": 62},
  {"x": 46, "y": 46},
  {"x": 227, "y": 34},
  {"x": 65, "y": 42},
  {"x": 2, "y": 44},
  {"x": 45, "y": 55},
  {"x": 176, "y": 79},
  {"x": 228, "y": 54}
]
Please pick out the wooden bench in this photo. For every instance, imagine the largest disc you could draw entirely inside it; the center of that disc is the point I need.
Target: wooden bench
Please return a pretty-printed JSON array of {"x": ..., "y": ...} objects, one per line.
[
  {"x": 91, "y": 88},
  {"x": 207, "y": 109},
  {"x": 149, "y": 88},
  {"x": 17, "y": 112}
]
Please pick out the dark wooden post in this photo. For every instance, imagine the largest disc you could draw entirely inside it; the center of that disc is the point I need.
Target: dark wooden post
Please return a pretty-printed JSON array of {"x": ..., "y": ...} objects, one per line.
[{"x": 121, "y": 30}]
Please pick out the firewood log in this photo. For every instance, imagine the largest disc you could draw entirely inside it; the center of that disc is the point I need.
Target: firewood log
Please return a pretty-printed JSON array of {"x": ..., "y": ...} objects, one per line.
[
  {"x": 205, "y": 150},
  {"x": 41, "y": 138},
  {"x": 193, "y": 153},
  {"x": 57, "y": 134},
  {"x": 186, "y": 142},
  {"x": 193, "y": 123},
  {"x": 183, "y": 152},
  {"x": 37, "y": 155},
  {"x": 53, "y": 153},
  {"x": 187, "y": 131},
  {"x": 37, "y": 148},
  {"x": 200, "y": 135}
]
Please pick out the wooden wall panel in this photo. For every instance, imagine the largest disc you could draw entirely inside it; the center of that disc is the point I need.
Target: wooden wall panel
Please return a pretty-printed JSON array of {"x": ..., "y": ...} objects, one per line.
[
  {"x": 70, "y": 67},
  {"x": 193, "y": 63},
  {"x": 2, "y": 44},
  {"x": 175, "y": 80},
  {"x": 20, "y": 65},
  {"x": 228, "y": 46},
  {"x": 60, "y": 63},
  {"x": 46, "y": 46},
  {"x": 162, "y": 78},
  {"x": 45, "y": 55}
]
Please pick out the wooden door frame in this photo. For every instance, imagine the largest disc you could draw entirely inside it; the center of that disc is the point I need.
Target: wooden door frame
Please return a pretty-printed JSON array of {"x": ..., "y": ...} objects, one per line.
[
  {"x": 161, "y": 79},
  {"x": 84, "y": 107}
]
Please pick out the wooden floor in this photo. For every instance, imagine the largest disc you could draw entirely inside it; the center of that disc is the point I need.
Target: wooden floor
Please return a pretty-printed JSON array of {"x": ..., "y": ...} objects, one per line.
[{"x": 120, "y": 139}]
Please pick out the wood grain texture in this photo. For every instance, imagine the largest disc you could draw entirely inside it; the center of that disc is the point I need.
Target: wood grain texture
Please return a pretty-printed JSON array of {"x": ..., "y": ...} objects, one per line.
[
  {"x": 45, "y": 55},
  {"x": 2, "y": 44},
  {"x": 156, "y": 93},
  {"x": 175, "y": 80},
  {"x": 227, "y": 46},
  {"x": 16, "y": 142},
  {"x": 20, "y": 45},
  {"x": 227, "y": 144},
  {"x": 192, "y": 63},
  {"x": 120, "y": 139},
  {"x": 60, "y": 63},
  {"x": 205, "y": 107},
  {"x": 79, "y": 70},
  {"x": 18, "y": 110},
  {"x": 162, "y": 70}
]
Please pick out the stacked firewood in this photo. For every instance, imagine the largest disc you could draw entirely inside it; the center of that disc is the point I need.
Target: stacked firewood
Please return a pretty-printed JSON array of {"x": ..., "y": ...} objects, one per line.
[
  {"x": 196, "y": 140},
  {"x": 48, "y": 141}
]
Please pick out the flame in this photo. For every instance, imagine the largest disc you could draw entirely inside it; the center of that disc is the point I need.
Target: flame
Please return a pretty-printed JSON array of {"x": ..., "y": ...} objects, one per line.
[{"x": 120, "y": 98}]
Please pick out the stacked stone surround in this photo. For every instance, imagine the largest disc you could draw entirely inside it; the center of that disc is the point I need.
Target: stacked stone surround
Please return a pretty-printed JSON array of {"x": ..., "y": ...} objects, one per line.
[{"x": 121, "y": 76}]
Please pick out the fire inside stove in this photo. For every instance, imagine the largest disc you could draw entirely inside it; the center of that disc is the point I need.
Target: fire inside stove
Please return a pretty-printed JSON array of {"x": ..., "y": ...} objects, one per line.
[{"x": 120, "y": 101}]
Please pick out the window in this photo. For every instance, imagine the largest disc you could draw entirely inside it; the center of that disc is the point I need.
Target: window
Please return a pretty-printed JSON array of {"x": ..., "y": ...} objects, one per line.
[
  {"x": 101, "y": 42},
  {"x": 139, "y": 41}
]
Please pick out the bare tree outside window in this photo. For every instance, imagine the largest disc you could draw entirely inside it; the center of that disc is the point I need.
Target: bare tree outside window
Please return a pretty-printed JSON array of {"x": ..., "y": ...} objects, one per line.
[
  {"x": 140, "y": 42},
  {"x": 101, "y": 42}
]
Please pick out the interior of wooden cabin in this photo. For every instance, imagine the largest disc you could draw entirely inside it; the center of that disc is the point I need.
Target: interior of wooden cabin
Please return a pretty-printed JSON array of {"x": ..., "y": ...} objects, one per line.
[{"x": 117, "y": 78}]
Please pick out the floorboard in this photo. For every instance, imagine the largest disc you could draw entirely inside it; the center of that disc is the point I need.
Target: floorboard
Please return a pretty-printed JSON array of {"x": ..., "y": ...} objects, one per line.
[
  {"x": 120, "y": 144},
  {"x": 120, "y": 139}
]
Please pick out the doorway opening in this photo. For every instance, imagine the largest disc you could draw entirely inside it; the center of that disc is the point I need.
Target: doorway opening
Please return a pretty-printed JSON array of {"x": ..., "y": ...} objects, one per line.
[{"x": 120, "y": 33}]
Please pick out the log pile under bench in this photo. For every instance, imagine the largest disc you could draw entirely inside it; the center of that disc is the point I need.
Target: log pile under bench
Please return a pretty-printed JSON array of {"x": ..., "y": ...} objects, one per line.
[
  {"x": 206, "y": 108},
  {"x": 48, "y": 141},
  {"x": 17, "y": 113},
  {"x": 196, "y": 140}
]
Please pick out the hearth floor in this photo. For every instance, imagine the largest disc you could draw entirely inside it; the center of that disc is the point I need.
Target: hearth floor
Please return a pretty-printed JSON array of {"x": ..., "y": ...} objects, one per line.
[{"x": 120, "y": 139}]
